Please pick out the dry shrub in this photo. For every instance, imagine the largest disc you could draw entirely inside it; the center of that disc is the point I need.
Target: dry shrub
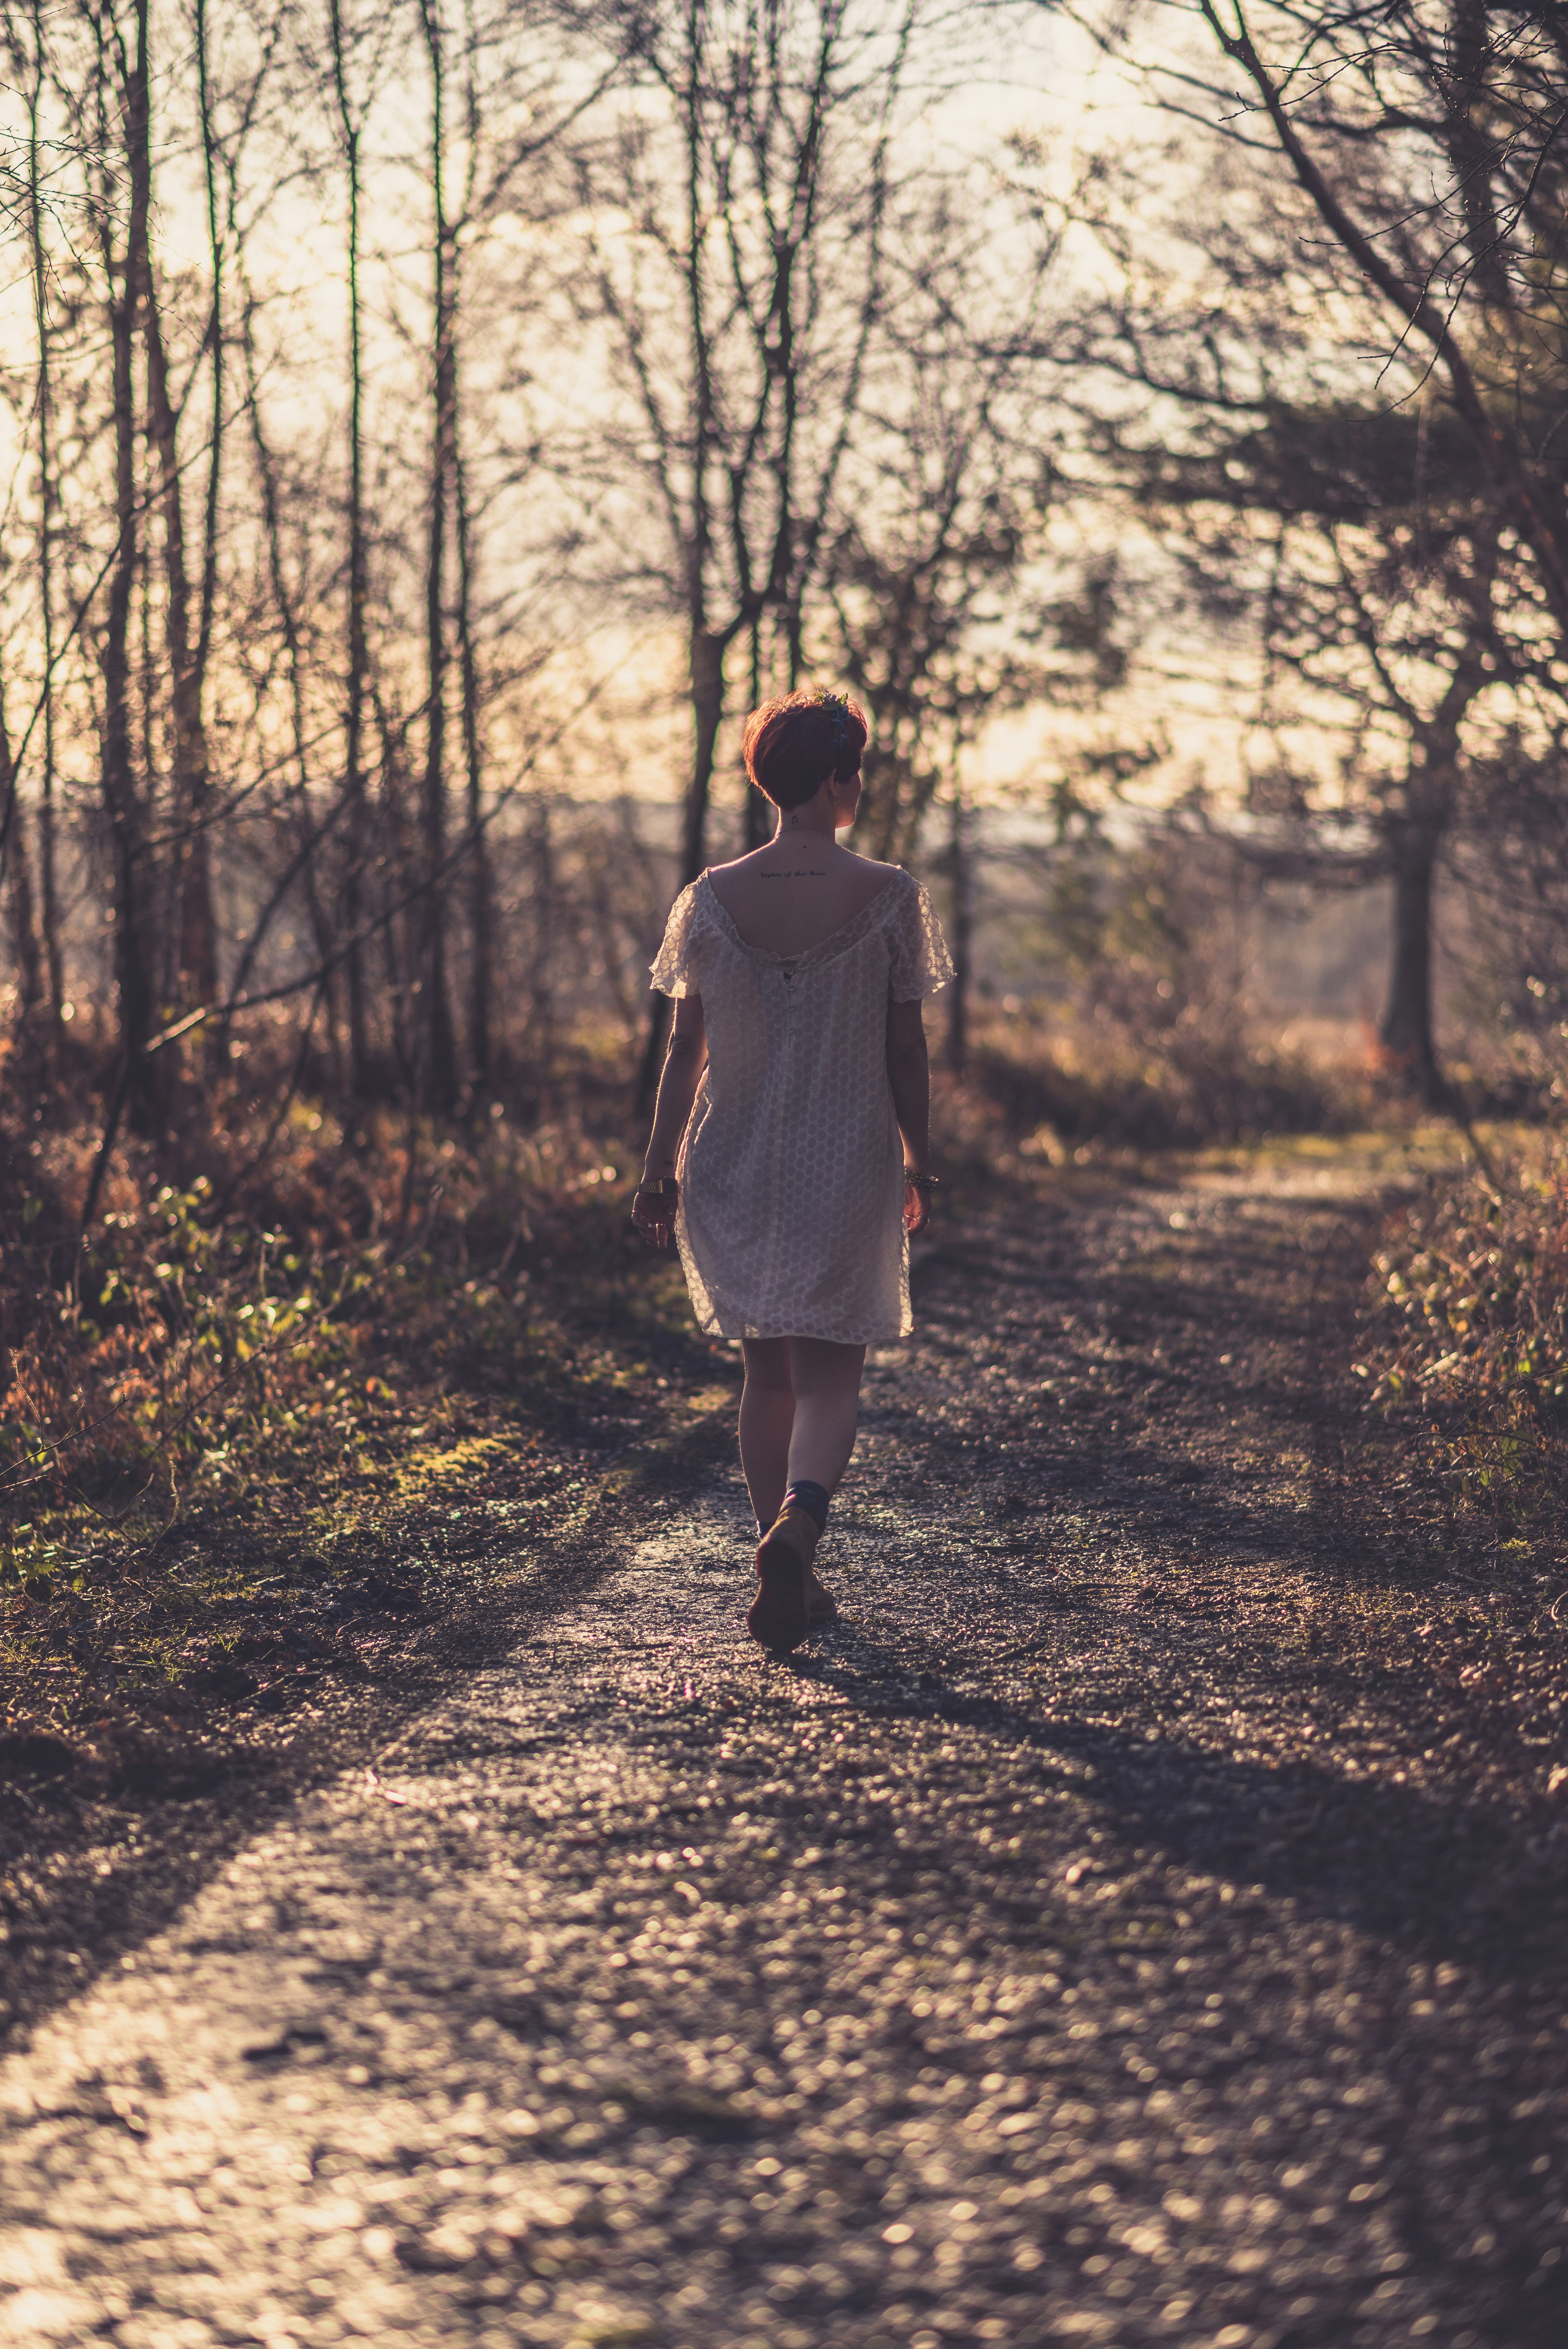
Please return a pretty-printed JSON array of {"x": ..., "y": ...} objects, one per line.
[
  {"x": 1156, "y": 1032},
  {"x": 244, "y": 1283},
  {"x": 1099, "y": 1083},
  {"x": 1471, "y": 1303}
]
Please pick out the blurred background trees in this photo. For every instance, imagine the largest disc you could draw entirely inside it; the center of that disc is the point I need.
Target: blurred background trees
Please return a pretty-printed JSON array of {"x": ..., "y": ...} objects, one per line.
[
  {"x": 1337, "y": 400},
  {"x": 430, "y": 429},
  {"x": 430, "y": 426}
]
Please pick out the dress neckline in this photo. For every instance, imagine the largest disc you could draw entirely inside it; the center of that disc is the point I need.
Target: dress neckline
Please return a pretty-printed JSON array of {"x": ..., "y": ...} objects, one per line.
[{"x": 793, "y": 961}]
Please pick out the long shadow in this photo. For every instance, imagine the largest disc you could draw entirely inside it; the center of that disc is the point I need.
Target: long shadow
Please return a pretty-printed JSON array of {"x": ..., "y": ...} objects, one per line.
[
  {"x": 1153, "y": 1455},
  {"x": 1128, "y": 1487},
  {"x": 53, "y": 1956},
  {"x": 1448, "y": 1877},
  {"x": 1240, "y": 1284}
]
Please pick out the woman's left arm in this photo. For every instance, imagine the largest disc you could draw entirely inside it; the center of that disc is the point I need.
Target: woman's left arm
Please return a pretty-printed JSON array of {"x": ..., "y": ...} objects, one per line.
[
  {"x": 909, "y": 1075},
  {"x": 654, "y": 1212}
]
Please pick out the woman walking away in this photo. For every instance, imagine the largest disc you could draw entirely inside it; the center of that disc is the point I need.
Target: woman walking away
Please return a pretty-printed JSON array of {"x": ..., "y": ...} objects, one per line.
[{"x": 797, "y": 1064}]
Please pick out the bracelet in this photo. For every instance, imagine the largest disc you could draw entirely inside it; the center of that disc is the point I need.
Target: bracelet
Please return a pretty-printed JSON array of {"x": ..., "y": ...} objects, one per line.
[
  {"x": 663, "y": 1187},
  {"x": 921, "y": 1181}
]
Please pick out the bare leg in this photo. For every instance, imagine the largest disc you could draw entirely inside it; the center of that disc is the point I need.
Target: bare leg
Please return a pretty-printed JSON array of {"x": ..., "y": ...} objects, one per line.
[
  {"x": 767, "y": 1420},
  {"x": 824, "y": 1384},
  {"x": 826, "y": 1378}
]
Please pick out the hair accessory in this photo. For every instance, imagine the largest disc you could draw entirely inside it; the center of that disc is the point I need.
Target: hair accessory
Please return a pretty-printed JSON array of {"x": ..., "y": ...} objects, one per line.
[{"x": 836, "y": 710}]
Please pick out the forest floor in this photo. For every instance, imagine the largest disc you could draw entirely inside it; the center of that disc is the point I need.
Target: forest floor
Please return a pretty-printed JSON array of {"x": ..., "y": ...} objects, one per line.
[{"x": 1143, "y": 1920}]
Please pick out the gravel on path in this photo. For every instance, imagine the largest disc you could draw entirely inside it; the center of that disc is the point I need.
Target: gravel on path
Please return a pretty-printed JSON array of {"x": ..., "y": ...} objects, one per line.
[{"x": 1119, "y": 1930}]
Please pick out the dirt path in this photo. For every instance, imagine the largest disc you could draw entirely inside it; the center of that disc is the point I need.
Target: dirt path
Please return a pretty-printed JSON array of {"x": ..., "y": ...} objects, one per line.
[{"x": 1143, "y": 1921}]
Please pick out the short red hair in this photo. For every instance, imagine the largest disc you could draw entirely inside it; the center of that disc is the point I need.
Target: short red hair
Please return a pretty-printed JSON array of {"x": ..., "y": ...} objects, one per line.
[{"x": 791, "y": 747}]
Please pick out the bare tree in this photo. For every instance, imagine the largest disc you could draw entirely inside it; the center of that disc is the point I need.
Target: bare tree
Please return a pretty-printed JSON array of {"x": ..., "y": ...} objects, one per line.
[
  {"x": 437, "y": 1038},
  {"x": 481, "y": 890},
  {"x": 1342, "y": 536},
  {"x": 1366, "y": 555},
  {"x": 122, "y": 76},
  {"x": 357, "y": 655},
  {"x": 28, "y": 49},
  {"x": 286, "y": 597},
  {"x": 744, "y": 316},
  {"x": 1426, "y": 141}
]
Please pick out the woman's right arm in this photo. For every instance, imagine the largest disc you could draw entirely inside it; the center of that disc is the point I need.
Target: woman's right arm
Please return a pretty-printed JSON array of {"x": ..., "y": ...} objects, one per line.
[
  {"x": 684, "y": 1060},
  {"x": 909, "y": 1075}
]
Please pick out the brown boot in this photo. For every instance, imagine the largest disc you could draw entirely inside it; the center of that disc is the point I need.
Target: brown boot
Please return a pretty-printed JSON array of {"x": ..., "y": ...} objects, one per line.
[
  {"x": 780, "y": 1613},
  {"x": 820, "y": 1604}
]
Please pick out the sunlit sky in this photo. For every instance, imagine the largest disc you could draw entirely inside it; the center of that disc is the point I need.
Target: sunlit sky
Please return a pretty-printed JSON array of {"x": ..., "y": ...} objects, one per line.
[{"x": 1035, "y": 73}]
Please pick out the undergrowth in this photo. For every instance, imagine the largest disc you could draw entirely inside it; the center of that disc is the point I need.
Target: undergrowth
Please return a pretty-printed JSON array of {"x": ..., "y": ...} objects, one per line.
[
  {"x": 287, "y": 1346},
  {"x": 1056, "y": 1090},
  {"x": 262, "y": 1370},
  {"x": 1470, "y": 1306},
  {"x": 148, "y": 1356}
]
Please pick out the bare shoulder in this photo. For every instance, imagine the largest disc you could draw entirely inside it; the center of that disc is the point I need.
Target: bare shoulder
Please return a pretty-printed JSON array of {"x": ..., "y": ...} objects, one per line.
[
  {"x": 874, "y": 880},
  {"x": 862, "y": 881}
]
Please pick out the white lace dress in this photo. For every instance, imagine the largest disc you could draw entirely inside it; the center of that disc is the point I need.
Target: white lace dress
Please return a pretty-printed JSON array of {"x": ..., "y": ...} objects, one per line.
[{"x": 790, "y": 1222}]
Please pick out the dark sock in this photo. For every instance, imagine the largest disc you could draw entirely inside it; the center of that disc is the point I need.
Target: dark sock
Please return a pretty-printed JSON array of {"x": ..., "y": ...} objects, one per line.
[{"x": 803, "y": 1495}]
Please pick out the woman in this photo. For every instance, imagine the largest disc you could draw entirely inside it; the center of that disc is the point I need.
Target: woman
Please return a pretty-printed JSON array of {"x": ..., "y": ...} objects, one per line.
[{"x": 797, "y": 1064}]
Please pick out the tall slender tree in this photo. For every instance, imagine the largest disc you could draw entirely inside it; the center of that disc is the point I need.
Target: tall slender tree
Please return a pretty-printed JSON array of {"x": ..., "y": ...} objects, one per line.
[
  {"x": 198, "y": 952},
  {"x": 356, "y": 825},
  {"x": 438, "y": 1042},
  {"x": 35, "y": 66},
  {"x": 122, "y": 76},
  {"x": 744, "y": 311}
]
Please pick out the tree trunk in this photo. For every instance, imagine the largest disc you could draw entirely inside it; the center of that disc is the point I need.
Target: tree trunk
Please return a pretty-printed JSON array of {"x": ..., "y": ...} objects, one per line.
[
  {"x": 541, "y": 978},
  {"x": 482, "y": 915},
  {"x": 216, "y": 353},
  {"x": 353, "y": 694},
  {"x": 439, "y": 1046},
  {"x": 53, "y": 965},
  {"x": 16, "y": 857},
  {"x": 288, "y": 620},
  {"x": 1406, "y": 1033},
  {"x": 959, "y": 864},
  {"x": 755, "y": 820},
  {"x": 708, "y": 650},
  {"x": 198, "y": 922},
  {"x": 198, "y": 945},
  {"x": 134, "y": 985},
  {"x": 25, "y": 944},
  {"x": 706, "y": 647}
]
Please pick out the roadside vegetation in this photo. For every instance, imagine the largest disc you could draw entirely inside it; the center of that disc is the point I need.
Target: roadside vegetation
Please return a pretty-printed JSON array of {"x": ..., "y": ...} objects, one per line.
[
  {"x": 1469, "y": 1327},
  {"x": 369, "y": 688},
  {"x": 245, "y": 1411}
]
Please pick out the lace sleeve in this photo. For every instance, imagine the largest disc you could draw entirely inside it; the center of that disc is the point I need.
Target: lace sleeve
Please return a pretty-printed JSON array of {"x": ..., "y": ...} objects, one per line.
[
  {"x": 921, "y": 962},
  {"x": 671, "y": 967}
]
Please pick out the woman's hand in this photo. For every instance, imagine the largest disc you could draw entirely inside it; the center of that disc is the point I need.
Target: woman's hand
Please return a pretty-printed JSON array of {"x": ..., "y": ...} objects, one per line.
[
  {"x": 916, "y": 1202},
  {"x": 654, "y": 1212}
]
